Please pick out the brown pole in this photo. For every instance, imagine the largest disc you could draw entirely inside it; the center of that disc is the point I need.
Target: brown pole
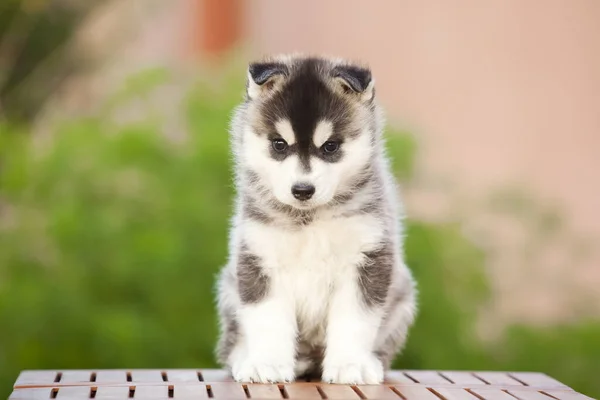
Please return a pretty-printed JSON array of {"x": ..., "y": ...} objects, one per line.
[{"x": 218, "y": 27}]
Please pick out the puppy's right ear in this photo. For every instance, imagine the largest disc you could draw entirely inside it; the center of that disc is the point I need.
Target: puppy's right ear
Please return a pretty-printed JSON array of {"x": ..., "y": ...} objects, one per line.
[{"x": 264, "y": 77}]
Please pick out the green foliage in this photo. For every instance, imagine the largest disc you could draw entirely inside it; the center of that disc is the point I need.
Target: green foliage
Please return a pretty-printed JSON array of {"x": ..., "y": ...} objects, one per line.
[
  {"x": 448, "y": 295},
  {"x": 403, "y": 149},
  {"x": 110, "y": 237}
]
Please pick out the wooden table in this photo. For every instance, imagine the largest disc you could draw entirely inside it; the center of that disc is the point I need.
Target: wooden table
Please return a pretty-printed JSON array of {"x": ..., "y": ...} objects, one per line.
[{"x": 188, "y": 384}]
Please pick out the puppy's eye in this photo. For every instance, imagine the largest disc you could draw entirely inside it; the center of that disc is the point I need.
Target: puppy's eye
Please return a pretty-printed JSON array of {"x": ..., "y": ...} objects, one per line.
[
  {"x": 279, "y": 145},
  {"x": 331, "y": 147}
]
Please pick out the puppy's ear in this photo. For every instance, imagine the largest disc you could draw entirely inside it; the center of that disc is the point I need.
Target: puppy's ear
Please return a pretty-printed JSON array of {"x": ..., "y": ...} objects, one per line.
[
  {"x": 355, "y": 80},
  {"x": 264, "y": 77}
]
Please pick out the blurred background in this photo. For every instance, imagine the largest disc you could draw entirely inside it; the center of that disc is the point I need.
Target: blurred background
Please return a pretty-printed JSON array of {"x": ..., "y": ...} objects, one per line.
[{"x": 115, "y": 185}]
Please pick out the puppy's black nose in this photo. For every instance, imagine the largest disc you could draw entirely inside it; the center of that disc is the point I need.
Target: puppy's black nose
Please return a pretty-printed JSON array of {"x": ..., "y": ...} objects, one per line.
[{"x": 303, "y": 191}]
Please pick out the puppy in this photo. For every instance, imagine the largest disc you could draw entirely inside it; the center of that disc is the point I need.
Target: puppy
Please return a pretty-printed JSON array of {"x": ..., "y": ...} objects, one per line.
[{"x": 316, "y": 282}]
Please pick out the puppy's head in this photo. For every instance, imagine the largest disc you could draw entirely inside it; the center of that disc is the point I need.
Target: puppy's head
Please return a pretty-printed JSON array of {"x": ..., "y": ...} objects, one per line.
[{"x": 309, "y": 128}]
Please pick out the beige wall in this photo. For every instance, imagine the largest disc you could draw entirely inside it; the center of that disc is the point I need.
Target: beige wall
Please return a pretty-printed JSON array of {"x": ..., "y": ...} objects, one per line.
[
  {"x": 514, "y": 88},
  {"x": 499, "y": 92}
]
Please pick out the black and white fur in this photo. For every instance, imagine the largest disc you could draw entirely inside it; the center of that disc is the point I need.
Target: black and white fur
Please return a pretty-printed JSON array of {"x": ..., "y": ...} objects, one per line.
[{"x": 313, "y": 285}]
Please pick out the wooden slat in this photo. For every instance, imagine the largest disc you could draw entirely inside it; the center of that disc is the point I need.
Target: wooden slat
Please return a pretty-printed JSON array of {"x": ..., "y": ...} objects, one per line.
[
  {"x": 302, "y": 391},
  {"x": 498, "y": 378},
  {"x": 151, "y": 392},
  {"x": 567, "y": 395},
  {"x": 427, "y": 377},
  {"x": 184, "y": 392},
  {"x": 215, "y": 375},
  {"x": 454, "y": 394},
  {"x": 36, "y": 377},
  {"x": 492, "y": 394},
  {"x": 227, "y": 390},
  {"x": 259, "y": 391},
  {"x": 112, "y": 392},
  {"x": 397, "y": 377},
  {"x": 537, "y": 379},
  {"x": 380, "y": 392},
  {"x": 218, "y": 384},
  {"x": 462, "y": 378},
  {"x": 182, "y": 375},
  {"x": 146, "y": 376},
  {"x": 335, "y": 392},
  {"x": 73, "y": 392},
  {"x": 416, "y": 393},
  {"x": 111, "y": 376},
  {"x": 31, "y": 394},
  {"x": 524, "y": 394}
]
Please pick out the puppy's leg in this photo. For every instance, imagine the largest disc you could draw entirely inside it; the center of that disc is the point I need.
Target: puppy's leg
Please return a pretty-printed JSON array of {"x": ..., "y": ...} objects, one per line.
[
  {"x": 351, "y": 333},
  {"x": 227, "y": 302},
  {"x": 267, "y": 325},
  {"x": 399, "y": 316},
  {"x": 355, "y": 316},
  {"x": 268, "y": 349}
]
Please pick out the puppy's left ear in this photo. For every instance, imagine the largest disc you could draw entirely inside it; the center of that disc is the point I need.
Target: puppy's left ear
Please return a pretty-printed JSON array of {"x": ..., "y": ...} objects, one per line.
[{"x": 355, "y": 80}]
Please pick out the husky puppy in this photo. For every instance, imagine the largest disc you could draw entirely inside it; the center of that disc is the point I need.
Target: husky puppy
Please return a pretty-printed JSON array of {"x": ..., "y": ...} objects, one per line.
[{"x": 316, "y": 282}]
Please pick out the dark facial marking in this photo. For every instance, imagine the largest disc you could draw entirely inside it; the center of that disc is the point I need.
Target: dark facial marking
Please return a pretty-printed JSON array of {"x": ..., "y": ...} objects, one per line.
[
  {"x": 253, "y": 284},
  {"x": 375, "y": 275},
  {"x": 304, "y": 100}
]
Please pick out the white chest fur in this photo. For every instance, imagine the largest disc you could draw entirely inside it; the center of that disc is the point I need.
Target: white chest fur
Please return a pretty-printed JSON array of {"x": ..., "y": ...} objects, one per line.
[{"x": 305, "y": 263}]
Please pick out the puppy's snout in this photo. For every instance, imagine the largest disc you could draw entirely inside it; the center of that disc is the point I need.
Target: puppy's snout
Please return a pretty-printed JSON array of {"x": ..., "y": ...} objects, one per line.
[{"x": 303, "y": 191}]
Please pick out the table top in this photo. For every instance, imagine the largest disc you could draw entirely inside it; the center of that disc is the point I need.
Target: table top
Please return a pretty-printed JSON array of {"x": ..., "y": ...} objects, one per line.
[{"x": 188, "y": 384}]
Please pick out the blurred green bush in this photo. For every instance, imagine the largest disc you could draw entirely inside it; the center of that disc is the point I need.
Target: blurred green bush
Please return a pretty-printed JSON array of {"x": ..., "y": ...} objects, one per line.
[{"x": 111, "y": 235}]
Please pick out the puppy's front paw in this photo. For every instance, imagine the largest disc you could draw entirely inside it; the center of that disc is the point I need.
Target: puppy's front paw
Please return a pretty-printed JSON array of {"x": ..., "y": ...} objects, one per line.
[
  {"x": 361, "y": 370},
  {"x": 258, "y": 371}
]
